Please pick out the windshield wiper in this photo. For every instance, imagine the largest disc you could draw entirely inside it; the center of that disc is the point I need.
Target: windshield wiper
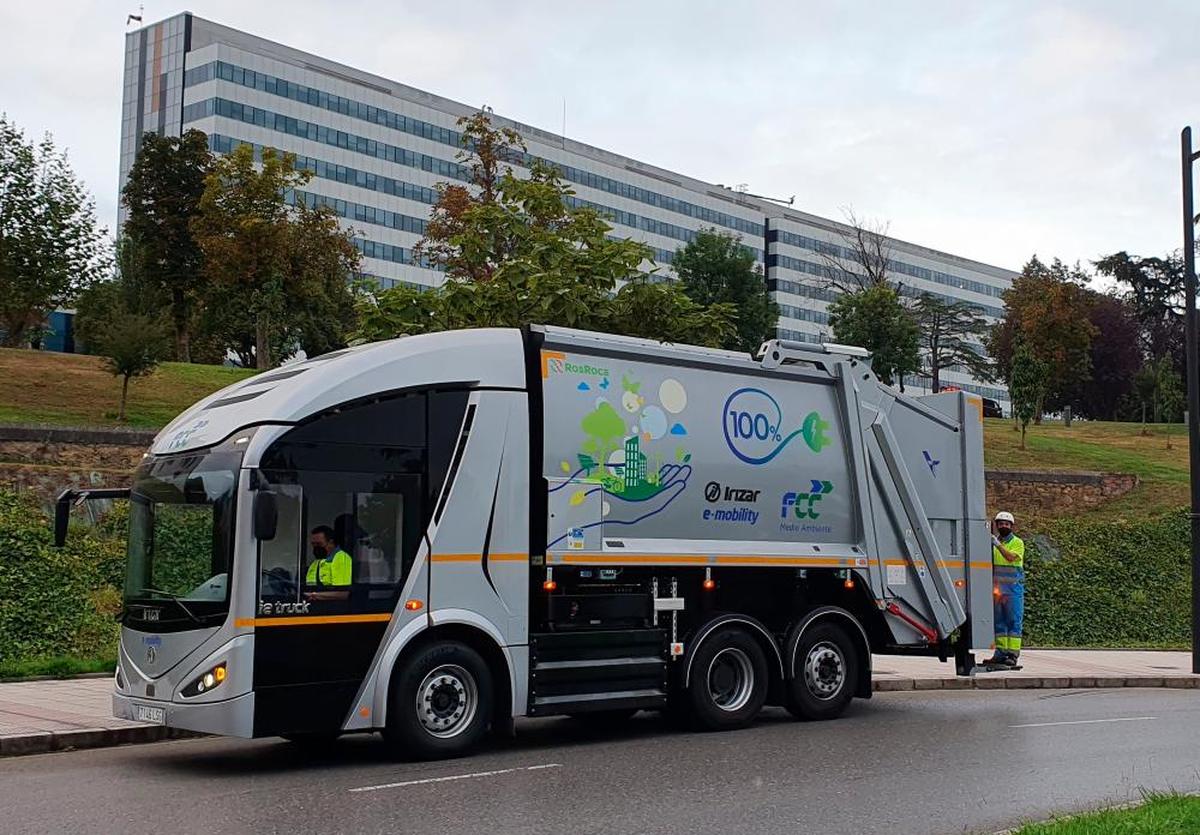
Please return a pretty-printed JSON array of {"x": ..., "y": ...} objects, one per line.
[{"x": 177, "y": 599}]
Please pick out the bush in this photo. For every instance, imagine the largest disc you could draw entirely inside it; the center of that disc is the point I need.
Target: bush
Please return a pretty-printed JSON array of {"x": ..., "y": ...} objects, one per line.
[
  {"x": 1110, "y": 584},
  {"x": 55, "y": 602}
]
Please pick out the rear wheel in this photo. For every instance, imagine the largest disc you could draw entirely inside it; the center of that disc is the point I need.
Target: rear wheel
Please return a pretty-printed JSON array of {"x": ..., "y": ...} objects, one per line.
[
  {"x": 825, "y": 675},
  {"x": 728, "y": 682},
  {"x": 441, "y": 701}
]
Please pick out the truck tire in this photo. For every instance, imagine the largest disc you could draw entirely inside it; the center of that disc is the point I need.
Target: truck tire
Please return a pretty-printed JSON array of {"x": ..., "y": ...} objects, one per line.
[
  {"x": 825, "y": 675},
  {"x": 440, "y": 702},
  {"x": 728, "y": 682}
]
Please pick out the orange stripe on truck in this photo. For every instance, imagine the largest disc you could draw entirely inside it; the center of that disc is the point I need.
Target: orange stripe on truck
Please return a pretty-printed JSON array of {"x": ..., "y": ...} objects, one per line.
[{"x": 313, "y": 620}]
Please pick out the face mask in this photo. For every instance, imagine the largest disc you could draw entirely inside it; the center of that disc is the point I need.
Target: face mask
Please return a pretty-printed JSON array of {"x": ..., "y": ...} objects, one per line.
[
  {"x": 320, "y": 551},
  {"x": 1003, "y": 532}
]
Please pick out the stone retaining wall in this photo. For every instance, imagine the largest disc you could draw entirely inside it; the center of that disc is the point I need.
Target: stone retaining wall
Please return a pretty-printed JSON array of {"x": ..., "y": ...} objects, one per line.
[
  {"x": 1054, "y": 493},
  {"x": 47, "y": 459}
]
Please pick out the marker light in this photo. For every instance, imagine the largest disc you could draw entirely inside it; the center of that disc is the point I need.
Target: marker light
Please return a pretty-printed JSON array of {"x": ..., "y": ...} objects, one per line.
[
  {"x": 996, "y": 591},
  {"x": 958, "y": 584},
  {"x": 550, "y": 585},
  {"x": 413, "y": 605},
  {"x": 848, "y": 583},
  {"x": 710, "y": 584}
]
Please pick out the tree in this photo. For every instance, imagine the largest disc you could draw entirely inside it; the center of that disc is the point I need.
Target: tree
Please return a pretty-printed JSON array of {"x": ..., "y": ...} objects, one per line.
[
  {"x": 281, "y": 271},
  {"x": 1027, "y": 385},
  {"x": 862, "y": 260},
  {"x": 949, "y": 333},
  {"x": 1115, "y": 357},
  {"x": 876, "y": 319},
  {"x": 50, "y": 245},
  {"x": 132, "y": 345},
  {"x": 1048, "y": 308},
  {"x": 162, "y": 195},
  {"x": 714, "y": 268},
  {"x": 1159, "y": 391},
  {"x": 1154, "y": 287},
  {"x": 516, "y": 252}
]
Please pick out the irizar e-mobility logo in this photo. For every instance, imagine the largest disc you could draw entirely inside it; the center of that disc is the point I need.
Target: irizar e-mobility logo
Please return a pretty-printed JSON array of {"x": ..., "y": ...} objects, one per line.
[{"x": 753, "y": 424}]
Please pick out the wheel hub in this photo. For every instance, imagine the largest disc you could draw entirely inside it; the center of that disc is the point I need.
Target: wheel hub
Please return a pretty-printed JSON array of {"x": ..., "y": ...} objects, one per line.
[
  {"x": 446, "y": 701},
  {"x": 824, "y": 670},
  {"x": 730, "y": 679}
]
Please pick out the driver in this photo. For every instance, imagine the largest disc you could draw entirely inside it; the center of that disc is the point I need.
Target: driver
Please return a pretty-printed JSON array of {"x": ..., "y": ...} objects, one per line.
[{"x": 331, "y": 566}]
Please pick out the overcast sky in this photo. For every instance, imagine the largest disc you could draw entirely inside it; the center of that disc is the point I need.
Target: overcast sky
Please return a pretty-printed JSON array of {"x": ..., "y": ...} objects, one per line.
[{"x": 991, "y": 130}]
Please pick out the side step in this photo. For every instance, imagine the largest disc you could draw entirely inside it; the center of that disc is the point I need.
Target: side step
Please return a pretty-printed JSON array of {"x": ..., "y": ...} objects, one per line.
[{"x": 578, "y": 672}]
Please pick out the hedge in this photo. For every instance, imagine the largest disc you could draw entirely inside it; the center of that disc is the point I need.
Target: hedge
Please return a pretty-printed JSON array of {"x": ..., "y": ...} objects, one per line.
[
  {"x": 55, "y": 602},
  {"x": 1110, "y": 584}
]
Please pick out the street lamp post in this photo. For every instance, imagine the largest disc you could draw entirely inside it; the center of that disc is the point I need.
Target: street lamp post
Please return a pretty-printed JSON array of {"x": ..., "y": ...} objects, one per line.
[{"x": 1188, "y": 157}]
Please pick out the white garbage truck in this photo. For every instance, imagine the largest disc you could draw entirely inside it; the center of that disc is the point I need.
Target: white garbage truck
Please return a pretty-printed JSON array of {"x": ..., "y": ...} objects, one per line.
[{"x": 431, "y": 536}]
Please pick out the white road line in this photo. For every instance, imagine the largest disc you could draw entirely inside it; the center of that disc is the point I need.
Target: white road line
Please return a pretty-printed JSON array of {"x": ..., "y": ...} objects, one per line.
[
  {"x": 471, "y": 776},
  {"x": 1087, "y": 722}
]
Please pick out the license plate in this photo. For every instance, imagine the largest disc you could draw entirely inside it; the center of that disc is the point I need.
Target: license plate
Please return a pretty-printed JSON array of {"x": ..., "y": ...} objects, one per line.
[{"x": 153, "y": 715}]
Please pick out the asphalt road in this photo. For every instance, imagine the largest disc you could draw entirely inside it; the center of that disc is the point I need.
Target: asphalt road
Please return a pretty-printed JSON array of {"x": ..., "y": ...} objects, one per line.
[{"x": 945, "y": 762}]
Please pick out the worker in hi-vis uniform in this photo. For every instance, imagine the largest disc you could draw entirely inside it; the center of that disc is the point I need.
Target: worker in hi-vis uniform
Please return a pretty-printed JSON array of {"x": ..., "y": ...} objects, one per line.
[
  {"x": 1008, "y": 571},
  {"x": 331, "y": 566}
]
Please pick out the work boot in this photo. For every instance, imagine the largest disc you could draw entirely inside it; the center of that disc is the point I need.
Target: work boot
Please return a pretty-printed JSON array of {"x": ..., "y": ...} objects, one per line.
[
  {"x": 997, "y": 659},
  {"x": 1010, "y": 659}
]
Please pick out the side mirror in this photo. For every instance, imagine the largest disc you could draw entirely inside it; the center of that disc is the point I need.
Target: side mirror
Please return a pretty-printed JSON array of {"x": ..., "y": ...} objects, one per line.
[{"x": 266, "y": 515}]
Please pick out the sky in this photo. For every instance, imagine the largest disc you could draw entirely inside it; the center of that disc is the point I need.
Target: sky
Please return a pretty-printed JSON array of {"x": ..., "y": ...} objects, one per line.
[{"x": 991, "y": 130}]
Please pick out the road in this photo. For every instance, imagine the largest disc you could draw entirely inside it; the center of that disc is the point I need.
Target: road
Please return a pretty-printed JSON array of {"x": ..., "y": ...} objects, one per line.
[{"x": 945, "y": 762}]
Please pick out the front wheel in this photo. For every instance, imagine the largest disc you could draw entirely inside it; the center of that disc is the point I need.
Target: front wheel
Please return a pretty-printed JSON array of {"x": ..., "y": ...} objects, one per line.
[
  {"x": 728, "y": 683},
  {"x": 825, "y": 675},
  {"x": 441, "y": 701}
]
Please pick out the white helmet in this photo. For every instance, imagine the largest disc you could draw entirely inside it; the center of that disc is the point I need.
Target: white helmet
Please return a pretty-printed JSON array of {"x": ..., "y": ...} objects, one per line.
[{"x": 1005, "y": 516}]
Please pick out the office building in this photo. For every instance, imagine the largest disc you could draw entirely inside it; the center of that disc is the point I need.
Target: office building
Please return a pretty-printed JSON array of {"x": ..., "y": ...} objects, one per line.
[{"x": 377, "y": 149}]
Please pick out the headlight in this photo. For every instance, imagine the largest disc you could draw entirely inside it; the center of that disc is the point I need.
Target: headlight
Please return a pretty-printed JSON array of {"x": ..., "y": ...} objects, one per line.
[{"x": 206, "y": 682}]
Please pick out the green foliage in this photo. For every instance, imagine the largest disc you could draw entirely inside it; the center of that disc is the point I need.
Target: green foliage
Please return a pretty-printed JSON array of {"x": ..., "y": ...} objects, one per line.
[
  {"x": 948, "y": 332},
  {"x": 515, "y": 252},
  {"x": 875, "y": 319},
  {"x": 162, "y": 195},
  {"x": 132, "y": 345},
  {"x": 1115, "y": 584},
  {"x": 1027, "y": 386},
  {"x": 1048, "y": 308},
  {"x": 1159, "y": 391},
  {"x": 715, "y": 268},
  {"x": 183, "y": 537},
  {"x": 50, "y": 246},
  {"x": 59, "y": 666},
  {"x": 56, "y": 602},
  {"x": 281, "y": 273}
]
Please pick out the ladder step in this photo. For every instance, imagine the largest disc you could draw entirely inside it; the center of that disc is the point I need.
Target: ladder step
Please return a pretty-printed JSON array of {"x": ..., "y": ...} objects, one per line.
[{"x": 585, "y": 702}]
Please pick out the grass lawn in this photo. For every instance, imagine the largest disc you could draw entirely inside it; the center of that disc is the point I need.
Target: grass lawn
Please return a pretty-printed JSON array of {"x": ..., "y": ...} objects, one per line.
[
  {"x": 1161, "y": 814},
  {"x": 1101, "y": 447},
  {"x": 71, "y": 389}
]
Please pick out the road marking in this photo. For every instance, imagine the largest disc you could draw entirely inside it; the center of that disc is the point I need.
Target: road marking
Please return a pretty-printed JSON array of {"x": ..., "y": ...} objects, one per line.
[
  {"x": 1086, "y": 722},
  {"x": 471, "y": 776}
]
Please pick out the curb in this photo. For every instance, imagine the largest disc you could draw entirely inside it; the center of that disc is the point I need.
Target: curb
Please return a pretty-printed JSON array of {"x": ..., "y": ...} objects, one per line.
[
  {"x": 47, "y": 741},
  {"x": 1000, "y": 681}
]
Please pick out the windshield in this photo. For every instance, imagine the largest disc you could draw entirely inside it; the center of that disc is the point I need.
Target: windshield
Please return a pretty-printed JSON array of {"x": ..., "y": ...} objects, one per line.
[{"x": 181, "y": 541}]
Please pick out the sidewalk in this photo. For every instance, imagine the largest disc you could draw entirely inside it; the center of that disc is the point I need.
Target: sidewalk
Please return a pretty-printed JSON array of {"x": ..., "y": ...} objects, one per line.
[{"x": 41, "y": 716}]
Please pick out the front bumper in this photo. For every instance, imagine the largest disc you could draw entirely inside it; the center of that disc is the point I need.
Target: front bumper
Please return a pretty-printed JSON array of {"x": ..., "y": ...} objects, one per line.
[{"x": 232, "y": 717}]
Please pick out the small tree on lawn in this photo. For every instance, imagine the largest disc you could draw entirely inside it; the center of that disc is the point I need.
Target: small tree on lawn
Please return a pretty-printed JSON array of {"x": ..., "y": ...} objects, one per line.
[
  {"x": 877, "y": 320},
  {"x": 1027, "y": 387},
  {"x": 132, "y": 345}
]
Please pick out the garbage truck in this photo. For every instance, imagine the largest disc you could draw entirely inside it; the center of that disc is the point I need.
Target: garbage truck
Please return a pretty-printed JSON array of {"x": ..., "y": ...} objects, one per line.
[{"x": 431, "y": 536}]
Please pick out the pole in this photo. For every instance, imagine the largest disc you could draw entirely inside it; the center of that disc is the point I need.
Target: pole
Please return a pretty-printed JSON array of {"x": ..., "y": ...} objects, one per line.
[{"x": 1193, "y": 381}]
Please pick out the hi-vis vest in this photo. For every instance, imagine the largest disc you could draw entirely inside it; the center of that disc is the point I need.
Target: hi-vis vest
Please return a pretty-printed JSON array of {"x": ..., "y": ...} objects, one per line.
[
  {"x": 1009, "y": 571},
  {"x": 333, "y": 570}
]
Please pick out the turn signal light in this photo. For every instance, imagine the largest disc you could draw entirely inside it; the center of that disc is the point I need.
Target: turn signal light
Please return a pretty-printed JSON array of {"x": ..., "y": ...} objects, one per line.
[
  {"x": 550, "y": 585},
  {"x": 413, "y": 605},
  {"x": 958, "y": 584},
  {"x": 995, "y": 591},
  {"x": 710, "y": 584},
  {"x": 848, "y": 583}
]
